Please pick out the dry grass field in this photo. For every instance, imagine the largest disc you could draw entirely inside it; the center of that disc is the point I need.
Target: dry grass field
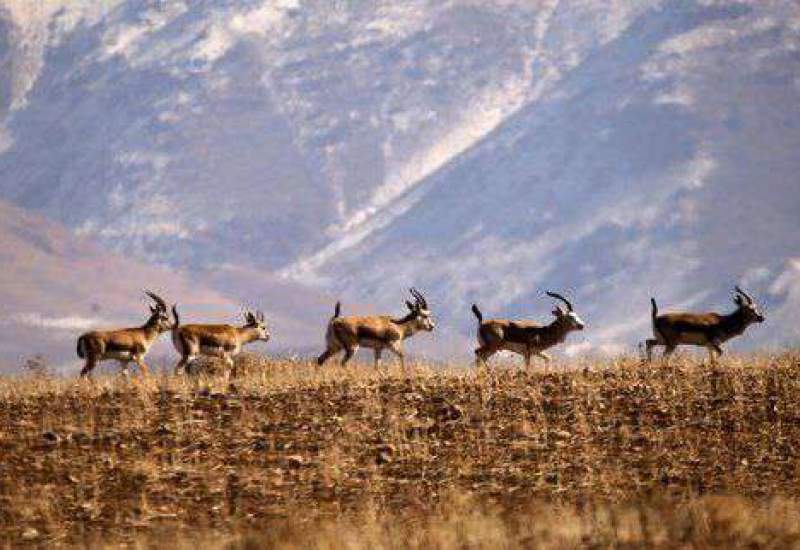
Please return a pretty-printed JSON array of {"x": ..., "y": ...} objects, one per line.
[{"x": 603, "y": 454}]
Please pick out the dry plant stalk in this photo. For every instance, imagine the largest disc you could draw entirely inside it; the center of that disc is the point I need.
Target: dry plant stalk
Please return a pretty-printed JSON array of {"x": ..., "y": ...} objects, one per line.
[{"x": 292, "y": 455}]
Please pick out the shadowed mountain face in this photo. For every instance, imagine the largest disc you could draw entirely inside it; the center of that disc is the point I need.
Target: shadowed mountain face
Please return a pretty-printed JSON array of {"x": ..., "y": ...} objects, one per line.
[
  {"x": 484, "y": 151},
  {"x": 664, "y": 164}
]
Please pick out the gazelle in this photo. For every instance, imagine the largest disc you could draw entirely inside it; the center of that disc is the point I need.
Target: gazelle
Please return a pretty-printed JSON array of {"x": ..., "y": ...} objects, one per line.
[
  {"x": 525, "y": 338},
  {"x": 378, "y": 332},
  {"x": 709, "y": 330},
  {"x": 224, "y": 341},
  {"x": 127, "y": 344}
]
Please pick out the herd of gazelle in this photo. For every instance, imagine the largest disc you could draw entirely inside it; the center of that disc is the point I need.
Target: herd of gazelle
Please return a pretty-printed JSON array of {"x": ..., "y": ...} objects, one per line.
[{"x": 384, "y": 332}]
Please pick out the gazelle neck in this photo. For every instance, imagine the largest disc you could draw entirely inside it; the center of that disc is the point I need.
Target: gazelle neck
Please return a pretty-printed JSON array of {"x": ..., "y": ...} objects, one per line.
[
  {"x": 734, "y": 323},
  {"x": 408, "y": 329},
  {"x": 406, "y": 326},
  {"x": 151, "y": 328},
  {"x": 247, "y": 334},
  {"x": 558, "y": 329}
]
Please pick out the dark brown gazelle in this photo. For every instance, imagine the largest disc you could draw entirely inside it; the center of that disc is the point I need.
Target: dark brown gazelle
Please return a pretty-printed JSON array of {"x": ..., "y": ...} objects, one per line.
[
  {"x": 378, "y": 332},
  {"x": 526, "y": 338},
  {"x": 127, "y": 344},
  {"x": 709, "y": 330},
  {"x": 223, "y": 341}
]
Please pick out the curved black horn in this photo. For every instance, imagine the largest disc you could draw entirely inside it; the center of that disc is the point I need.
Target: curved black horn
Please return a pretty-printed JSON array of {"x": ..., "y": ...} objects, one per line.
[
  {"x": 560, "y": 297},
  {"x": 419, "y": 297},
  {"x": 745, "y": 294},
  {"x": 162, "y": 305}
]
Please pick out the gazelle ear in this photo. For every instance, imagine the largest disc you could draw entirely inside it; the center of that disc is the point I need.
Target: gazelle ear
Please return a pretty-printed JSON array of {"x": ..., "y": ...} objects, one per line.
[
  {"x": 738, "y": 300},
  {"x": 153, "y": 310},
  {"x": 558, "y": 312},
  {"x": 410, "y": 306}
]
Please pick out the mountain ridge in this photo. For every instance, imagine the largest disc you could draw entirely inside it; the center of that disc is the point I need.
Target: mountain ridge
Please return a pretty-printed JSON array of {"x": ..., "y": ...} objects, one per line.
[{"x": 482, "y": 151}]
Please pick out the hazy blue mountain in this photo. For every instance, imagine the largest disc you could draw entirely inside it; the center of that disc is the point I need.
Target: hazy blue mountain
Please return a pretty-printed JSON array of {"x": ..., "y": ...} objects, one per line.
[
  {"x": 57, "y": 286},
  {"x": 484, "y": 151},
  {"x": 665, "y": 164}
]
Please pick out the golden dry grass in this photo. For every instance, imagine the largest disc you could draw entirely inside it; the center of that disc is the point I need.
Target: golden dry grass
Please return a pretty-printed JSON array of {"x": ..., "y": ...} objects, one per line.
[{"x": 614, "y": 453}]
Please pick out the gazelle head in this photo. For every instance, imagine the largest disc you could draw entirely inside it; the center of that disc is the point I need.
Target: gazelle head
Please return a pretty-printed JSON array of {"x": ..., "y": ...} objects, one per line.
[
  {"x": 159, "y": 316},
  {"x": 419, "y": 316},
  {"x": 747, "y": 306},
  {"x": 256, "y": 321},
  {"x": 567, "y": 316}
]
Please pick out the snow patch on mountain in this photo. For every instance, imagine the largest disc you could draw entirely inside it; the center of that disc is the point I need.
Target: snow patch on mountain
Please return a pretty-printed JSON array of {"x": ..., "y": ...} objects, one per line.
[
  {"x": 391, "y": 199},
  {"x": 483, "y": 150},
  {"x": 632, "y": 178},
  {"x": 69, "y": 323}
]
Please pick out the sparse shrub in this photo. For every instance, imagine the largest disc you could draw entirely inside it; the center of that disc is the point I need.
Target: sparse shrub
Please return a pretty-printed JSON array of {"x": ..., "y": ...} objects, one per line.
[{"x": 36, "y": 366}]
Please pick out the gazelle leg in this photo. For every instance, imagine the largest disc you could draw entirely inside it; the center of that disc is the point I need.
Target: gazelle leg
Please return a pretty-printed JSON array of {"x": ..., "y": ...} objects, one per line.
[
  {"x": 348, "y": 354},
  {"x": 181, "y": 366},
  {"x": 482, "y": 355},
  {"x": 142, "y": 365},
  {"x": 88, "y": 367},
  {"x": 190, "y": 361},
  {"x": 229, "y": 366},
  {"x": 714, "y": 351},
  {"x": 398, "y": 351},
  {"x": 669, "y": 350},
  {"x": 527, "y": 357},
  {"x": 327, "y": 354},
  {"x": 123, "y": 364},
  {"x": 378, "y": 353},
  {"x": 649, "y": 344}
]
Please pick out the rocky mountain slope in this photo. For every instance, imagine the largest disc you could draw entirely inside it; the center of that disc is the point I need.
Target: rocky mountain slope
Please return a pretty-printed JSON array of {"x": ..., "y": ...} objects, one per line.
[
  {"x": 664, "y": 165},
  {"x": 484, "y": 151}
]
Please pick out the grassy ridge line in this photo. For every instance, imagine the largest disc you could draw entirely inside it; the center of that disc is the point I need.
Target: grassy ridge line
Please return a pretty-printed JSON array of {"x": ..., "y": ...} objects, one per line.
[{"x": 114, "y": 456}]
